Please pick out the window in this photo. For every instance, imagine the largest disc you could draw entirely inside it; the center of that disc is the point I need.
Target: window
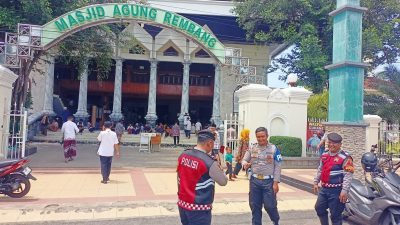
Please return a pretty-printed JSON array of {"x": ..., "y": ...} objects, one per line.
[
  {"x": 171, "y": 51},
  {"x": 201, "y": 54},
  {"x": 137, "y": 49}
]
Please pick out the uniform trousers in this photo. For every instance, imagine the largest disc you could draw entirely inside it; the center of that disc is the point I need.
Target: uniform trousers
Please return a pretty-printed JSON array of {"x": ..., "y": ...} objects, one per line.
[
  {"x": 262, "y": 193},
  {"x": 328, "y": 198},
  {"x": 195, "y": 217}
]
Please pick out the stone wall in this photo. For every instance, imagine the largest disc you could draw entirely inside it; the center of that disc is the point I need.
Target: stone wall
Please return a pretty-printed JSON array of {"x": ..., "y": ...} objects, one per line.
[{"x": 354, "y": 138}]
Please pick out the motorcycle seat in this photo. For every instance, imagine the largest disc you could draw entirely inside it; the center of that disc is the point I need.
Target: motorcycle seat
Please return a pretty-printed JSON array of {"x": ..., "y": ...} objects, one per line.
[
  {"x": 7, "y": 163},
  {"x": 361, "y": 189}
]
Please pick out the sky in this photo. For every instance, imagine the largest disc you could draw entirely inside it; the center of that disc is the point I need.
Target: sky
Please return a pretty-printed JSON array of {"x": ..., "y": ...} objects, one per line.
[{"x": 274, "y": 82}]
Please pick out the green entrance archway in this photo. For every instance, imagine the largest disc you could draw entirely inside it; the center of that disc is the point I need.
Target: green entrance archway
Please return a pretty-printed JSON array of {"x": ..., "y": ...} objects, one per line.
[{"x": 56, "y": 30}]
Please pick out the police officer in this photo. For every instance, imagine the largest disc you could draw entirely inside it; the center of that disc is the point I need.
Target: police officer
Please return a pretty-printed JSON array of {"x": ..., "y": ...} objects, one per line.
[
  {"x": 335, "y": 173},
  {"x": 265, "y": 162},
  {"x": 197, "y": 174}
]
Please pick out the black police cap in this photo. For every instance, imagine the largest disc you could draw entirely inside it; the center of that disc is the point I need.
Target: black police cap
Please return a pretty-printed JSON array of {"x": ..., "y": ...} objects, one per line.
[
  {"x": 335, "y": 138},
  {"x": 205, "y": 135}
]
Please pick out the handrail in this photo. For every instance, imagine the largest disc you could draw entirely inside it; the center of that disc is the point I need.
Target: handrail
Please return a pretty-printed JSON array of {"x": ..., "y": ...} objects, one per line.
[{"x": 34, "y": 117}]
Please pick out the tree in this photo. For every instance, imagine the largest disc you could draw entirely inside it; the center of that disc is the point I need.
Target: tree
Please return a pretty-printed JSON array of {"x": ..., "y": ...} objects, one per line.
[
  {"x": 75, "y": 47},
  {"x": 306, "y": 25},
  {"x": 385, "y": 103},
  {"x": 318, "y": 106}
]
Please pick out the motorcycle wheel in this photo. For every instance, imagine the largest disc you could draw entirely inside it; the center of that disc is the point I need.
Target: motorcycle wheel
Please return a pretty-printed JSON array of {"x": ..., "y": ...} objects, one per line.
[
  {"x": 24, "y": 186},
  {"x": 389, "y": 218}
]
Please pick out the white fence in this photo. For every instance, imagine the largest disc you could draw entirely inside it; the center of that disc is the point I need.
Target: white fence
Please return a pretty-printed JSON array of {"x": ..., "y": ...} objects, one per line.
[
  {"x": 389, "y": 139},
  {"x": 232, "y": 128},
  {"x": 15, "y": 137}
]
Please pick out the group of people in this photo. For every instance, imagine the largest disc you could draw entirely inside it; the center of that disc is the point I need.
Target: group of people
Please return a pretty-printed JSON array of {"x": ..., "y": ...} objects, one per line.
[
  {"x": 109, "y": 142},
  {"x": 199, "y": 168}
]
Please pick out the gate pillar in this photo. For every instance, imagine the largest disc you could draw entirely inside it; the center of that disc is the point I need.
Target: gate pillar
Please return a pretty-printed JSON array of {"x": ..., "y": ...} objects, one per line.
[{"x": 7, "y": 78}]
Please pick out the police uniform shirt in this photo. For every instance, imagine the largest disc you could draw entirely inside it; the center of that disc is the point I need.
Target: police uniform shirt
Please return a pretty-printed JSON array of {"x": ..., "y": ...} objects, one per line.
[{"x": 266, "y": 160}]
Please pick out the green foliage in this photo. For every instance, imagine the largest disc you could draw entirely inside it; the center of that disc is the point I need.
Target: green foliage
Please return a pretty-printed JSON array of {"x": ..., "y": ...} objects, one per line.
[
  {"x": 385, "y": 103},
  {"x": 76, "y": 47},
  {"x": 306, "y": 25},
  {"x": 393, "y": 149},
  {"x": 318, "y": 106},
  {"x": 289, "y": 146}
]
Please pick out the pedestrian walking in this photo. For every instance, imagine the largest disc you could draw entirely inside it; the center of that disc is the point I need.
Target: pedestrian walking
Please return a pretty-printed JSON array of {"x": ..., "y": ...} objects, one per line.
[
  {"x": 188, "y": 127},
  {"x": 243, "y": 147},
  {"x": 335, "y": 172},
  {"x": 217, "y": 143},
  {"x": 198, "y": 127},
  {"x": 197, "y": 174},
  {"x": 265, "y": 160},
  {"x": 228, "y": 161},
  {"x": 108, "y": 145},
  {"x": 119, "y": 130},
  {"x": 176, "y": 132},
  {"x": 69, "y": 130}
]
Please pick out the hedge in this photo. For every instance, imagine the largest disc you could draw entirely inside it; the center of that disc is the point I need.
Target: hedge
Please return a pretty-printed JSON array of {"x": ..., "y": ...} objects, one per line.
[{"x": 289, "y": 146}]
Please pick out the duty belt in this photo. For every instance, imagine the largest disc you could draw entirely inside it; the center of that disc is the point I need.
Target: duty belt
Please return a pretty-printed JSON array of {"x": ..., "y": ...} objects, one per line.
[
  {"x": 263, "y": 177},
  {"x": 327, "y": 185},
  {"x": 194, "y": 207}
]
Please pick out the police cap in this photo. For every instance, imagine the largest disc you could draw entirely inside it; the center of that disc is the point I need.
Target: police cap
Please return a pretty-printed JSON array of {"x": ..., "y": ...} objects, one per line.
[
  {"x": 204, "y": 135},
  {"x": 334, "y": 138}
]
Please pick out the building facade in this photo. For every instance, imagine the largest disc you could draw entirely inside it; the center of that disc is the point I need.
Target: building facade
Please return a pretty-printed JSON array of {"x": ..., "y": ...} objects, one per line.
[{"x": 159, "y": 79}]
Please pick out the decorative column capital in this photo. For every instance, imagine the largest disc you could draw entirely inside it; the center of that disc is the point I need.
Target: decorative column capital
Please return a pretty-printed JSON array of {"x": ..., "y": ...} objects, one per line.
[
  {"x": 119, "y": 61},
  {"x": 187, "y": 62},
  {"x": 153, "y": 62}
]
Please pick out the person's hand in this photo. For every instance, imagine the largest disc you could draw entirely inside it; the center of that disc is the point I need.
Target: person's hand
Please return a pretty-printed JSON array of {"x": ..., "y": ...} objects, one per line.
[
  {"x": 246, "y": 165},
  {"x": 343, "y": 197},
  {"x": 118, "y": 155},
  {"x": 275, "y": 187},
  {"x": 316, "y": 188}
]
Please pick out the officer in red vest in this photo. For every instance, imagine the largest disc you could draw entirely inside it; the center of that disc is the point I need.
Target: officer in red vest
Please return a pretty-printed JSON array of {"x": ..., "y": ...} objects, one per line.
[
  {"x": 335, "y": 173},
  {"x": 197, "y": 174}
]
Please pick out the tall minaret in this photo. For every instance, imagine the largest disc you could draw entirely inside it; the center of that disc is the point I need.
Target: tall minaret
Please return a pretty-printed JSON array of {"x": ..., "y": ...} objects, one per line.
[{"x": 346, "y": 79}]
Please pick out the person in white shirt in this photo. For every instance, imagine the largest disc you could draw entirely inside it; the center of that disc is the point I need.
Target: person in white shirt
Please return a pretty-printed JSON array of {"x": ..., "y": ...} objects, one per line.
[
  {"x": 69, "y": 130},
  {"x": 108, "y": 144},
  {"x": 188, "y": 127},
  {"x": 198, "y": 127}
]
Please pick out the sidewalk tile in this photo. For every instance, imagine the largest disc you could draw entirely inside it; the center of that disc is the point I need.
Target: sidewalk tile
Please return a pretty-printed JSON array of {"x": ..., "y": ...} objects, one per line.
[
  {"x": 128, "y": 212},
  {"x": 82, "y": 215},
  {"x": 55, "y": 216},
  {"x": 110, "y": 213},
  {"x": 9, "y": 216},
  {"x": 31, "y": 215},
  {"x": 162, "y": 183},
  {"x": 149, "y": 211}
]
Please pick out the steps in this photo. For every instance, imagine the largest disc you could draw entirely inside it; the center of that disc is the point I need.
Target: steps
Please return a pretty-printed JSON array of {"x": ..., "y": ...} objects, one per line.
[{"x": 127, "y": 139}]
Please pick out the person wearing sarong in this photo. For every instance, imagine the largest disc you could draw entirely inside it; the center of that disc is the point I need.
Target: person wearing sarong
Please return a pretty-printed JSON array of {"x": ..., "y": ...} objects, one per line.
[{"x": 69, "y": 130}]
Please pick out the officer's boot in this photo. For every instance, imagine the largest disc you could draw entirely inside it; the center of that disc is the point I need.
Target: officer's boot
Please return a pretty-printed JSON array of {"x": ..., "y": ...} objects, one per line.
[{"x": 324, "y": 220}]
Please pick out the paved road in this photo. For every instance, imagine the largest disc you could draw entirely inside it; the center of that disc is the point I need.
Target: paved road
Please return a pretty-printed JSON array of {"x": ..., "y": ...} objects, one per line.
[{"x": 287, "y": 218}]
